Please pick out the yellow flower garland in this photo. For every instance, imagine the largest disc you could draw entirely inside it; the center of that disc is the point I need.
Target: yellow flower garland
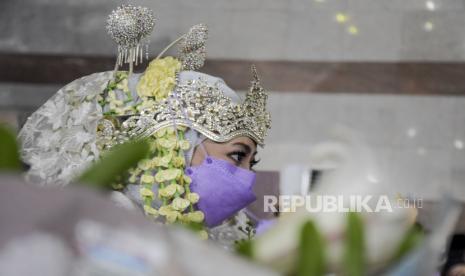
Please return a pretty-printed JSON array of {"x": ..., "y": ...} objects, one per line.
[
  {"x": 159, "y": 78},
  {"x": 166, "y": 163}
]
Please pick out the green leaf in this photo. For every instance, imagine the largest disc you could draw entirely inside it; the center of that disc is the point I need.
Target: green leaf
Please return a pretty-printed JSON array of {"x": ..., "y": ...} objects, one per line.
[
  {"x": 9, "y": 150},
  {"x": 193, "y": 226},
  {"x": 244, "y": 248},
  {"x": 411, "y": 239},
  {"x": 115, "y": 163},
  {"x": 354, "y": 259},
  {"x": 311, "y": 254}
]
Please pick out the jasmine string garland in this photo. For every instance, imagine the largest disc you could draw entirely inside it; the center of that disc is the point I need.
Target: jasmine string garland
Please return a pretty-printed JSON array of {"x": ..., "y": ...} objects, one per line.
[
  {"x": 166, "y": 163},
  {"x": 166, "y": 169}
]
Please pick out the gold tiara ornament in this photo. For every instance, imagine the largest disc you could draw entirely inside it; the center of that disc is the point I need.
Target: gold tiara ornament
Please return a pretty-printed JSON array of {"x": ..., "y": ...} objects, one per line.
[
  {"x": 203, "y": 106},
  {"x": 129, "y": 27}
]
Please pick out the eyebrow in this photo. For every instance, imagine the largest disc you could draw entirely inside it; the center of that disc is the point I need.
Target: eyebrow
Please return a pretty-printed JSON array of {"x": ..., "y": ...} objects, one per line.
[{"x": 247, "y": 148}]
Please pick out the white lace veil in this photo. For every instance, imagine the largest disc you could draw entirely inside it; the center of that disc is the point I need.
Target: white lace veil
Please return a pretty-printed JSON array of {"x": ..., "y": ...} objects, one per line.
[{"x": 58, "y": 141}]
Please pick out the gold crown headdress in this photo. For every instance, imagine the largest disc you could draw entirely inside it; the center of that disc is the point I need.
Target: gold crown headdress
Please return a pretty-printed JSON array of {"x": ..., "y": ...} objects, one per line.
[{"x": 203, "y": 106}]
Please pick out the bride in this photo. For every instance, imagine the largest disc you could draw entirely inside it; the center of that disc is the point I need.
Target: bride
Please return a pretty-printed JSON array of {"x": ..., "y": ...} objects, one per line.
[{"x": 203, "y": 137}]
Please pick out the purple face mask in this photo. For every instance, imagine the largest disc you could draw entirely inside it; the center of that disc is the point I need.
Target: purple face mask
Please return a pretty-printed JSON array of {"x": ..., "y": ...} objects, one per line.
[{"x": 224, "y": 189}]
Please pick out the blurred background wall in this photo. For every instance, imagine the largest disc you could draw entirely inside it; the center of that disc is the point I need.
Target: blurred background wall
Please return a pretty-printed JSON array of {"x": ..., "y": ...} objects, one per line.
[{"x": 392, "y": 70}]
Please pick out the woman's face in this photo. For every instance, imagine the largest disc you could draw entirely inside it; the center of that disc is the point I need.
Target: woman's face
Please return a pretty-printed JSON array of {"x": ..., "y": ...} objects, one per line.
[{"x": 239, "y": 151}]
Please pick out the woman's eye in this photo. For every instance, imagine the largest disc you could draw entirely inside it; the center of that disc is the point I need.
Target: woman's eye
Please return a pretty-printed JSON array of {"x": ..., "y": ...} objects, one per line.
[{"x": 237, "y": 156}]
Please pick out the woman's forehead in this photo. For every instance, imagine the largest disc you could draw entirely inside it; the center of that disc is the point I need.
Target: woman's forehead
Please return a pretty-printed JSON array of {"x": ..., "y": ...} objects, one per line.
[
  {"x": 245, "y": 141},
  {"x": 241, "y": 140}
]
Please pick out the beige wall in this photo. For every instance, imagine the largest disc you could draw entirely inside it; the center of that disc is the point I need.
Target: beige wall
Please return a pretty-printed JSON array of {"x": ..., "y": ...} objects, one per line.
[
  {"x": 389, "y": 30},
  {"x": 418, "y": 141}
]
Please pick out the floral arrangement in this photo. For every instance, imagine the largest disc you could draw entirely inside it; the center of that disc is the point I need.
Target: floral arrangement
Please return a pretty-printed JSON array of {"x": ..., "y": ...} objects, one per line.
[
  {"x": 165, "y": 168},
  {"x": 165, "y": 163},
  {"x": 116, "y": 105},
  {"x": 159, "y": 78}
]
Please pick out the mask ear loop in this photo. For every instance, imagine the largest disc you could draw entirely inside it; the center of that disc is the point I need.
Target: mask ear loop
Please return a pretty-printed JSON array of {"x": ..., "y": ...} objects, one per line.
[
  {"x": 174, "y": 95},
  {"x": 204, "y": 150}
]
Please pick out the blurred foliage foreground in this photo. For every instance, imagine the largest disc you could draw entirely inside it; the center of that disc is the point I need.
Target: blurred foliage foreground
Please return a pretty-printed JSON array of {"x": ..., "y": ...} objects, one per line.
[{"x": 310, "y": 257}]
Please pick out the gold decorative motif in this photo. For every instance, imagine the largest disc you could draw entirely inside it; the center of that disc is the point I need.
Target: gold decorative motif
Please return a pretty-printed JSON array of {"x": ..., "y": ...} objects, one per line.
[{"x": 204, "y": 107}]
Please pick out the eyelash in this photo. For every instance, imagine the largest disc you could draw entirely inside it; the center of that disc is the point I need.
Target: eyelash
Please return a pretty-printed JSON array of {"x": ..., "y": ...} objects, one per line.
[
  {"x": 254, "y": 162},
  {"x": 240, "y": 155}
]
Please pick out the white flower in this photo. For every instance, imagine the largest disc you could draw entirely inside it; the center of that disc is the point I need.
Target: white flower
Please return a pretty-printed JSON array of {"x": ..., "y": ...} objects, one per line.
[
  {"x": 45, "y": 164},
  {"x": 56, "y": 111},
  {"x": 73, "y": 140},
  {"x": 48, "y": 139},
  {"x": 81, "y": 113}
]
